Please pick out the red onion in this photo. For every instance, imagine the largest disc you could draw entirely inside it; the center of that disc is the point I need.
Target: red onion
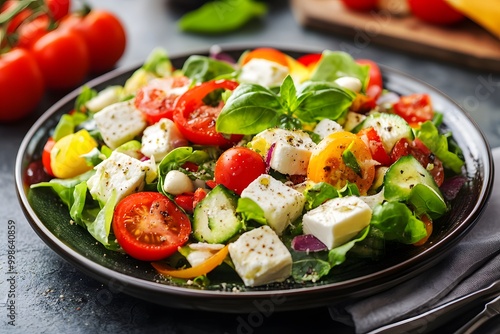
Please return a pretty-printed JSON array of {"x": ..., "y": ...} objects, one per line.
[
  {"x": 215, "y": 52},
  {"x": 452, "y": 186},
  {"x": 307, "y": 243},
  {"x": 269, "y": 156}
]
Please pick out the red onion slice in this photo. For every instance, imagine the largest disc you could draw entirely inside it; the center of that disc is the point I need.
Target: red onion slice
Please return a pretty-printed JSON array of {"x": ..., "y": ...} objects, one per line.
[
  {"x": 452, "y": 186},
  {"x": 307, "y": 243}
]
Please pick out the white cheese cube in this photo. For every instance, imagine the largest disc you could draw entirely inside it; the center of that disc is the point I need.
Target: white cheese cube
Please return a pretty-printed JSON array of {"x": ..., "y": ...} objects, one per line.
[
  {"x": 106, "y": 97},
  {"x": 353, "y": 119},
  {"x": 120, "y": 173},
  {"x": 260, "y": 257},
  {"x": 263, "y": 72},
  {"x": 177, "y": 183},
  {"x": 280, "y": 203},
  {"x": 202, "y": 251},
  {"x": 351, "y": 83},
  {"x": 291, "y": 152},
  {"x": 119, "y": 123},
  {"x": 160, "y": 138},
  {"x": 338, "y": 220},
  {"x": 326, "y": 127}
]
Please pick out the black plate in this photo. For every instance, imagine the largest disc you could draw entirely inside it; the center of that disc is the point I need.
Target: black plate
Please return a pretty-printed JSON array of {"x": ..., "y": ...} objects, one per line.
[{"x": 74, "y": 244}]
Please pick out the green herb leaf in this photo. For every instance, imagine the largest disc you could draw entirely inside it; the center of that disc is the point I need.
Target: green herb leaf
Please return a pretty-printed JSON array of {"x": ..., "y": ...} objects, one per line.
[
  {"x": 201, "y": 68},
  {"x": 288, "y": 94},
  {"x": 85, "y": 96},
  {"x": 350, "y": 159},
  {"x": 250, "y": 210},
  {"x": 221, "y": 16},
  {"x": 249, "y": 110},
  {"x": 336, "y": 64}
]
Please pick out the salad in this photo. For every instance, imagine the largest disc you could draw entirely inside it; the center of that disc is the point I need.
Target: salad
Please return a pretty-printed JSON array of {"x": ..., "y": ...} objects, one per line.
[{"x": 279, "y": 169}]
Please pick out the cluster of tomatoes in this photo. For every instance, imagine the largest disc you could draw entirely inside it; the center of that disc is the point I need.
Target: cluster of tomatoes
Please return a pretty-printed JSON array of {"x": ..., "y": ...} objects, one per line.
[
  {"x": 432, "y": 11},
  {"x": 44, "y": 45}
]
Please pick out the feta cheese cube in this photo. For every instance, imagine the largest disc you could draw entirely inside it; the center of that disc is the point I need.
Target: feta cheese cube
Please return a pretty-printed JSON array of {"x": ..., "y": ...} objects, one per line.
[
  {"x": 263, "y": 72},
  {"x": 350, "y": 83},
  {"x": 338, "y": 220},
  {"x": 291, "y": 151},
  {"x": 260, "y": 257},
  {"x": 326, "y": 127},
  {"x": 353, "y": 119},
  {"x": 120, "y": 173},
  {"x": 160, "y": 138},
  {"x": 202, "y": 251},
  {"x": 280, "y": 203},
  {"x": 119, "y": 123}
]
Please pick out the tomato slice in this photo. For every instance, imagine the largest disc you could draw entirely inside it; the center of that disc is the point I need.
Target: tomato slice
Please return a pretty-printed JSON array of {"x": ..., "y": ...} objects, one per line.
[
  {"x": 414, "y": 108},
  {"x": 46, "y": 156},
  {"x": 371, "y": 138},
  {"x": 196, "y": 121},
  {"x": 157, "y": 100},
  {"x": 327, "y": 164},
  {"x": 149, "y": 226},
  {"x": 422, "y": 153},
  {"x": 265, "y": 53}
]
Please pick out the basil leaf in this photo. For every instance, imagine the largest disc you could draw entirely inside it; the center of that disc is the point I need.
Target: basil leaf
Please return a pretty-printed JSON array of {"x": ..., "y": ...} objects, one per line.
[
  {"x": 250, "y": 210},
  {"x": 288, "y": 94},
  {"x": 338, "y": 254},
  {"x": 350, "y": 159},
  {"x": 201, "y": 68},
  {"x": 398, "y": 223},
  {"x": 85, "y": 96},
  {"x": 320, "y": 100},
  {"x": 318, "y": 194},
  {"x": 438, "y": 144},
  {"x": 289, "y": 122},
  {"x": 336, "y": 64},
  {"x": 221, "y": 16},
  {"x": 249, "y": 110}
]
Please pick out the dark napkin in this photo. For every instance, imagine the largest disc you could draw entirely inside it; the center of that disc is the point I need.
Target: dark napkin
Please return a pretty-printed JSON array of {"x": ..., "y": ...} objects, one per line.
[{"x": 473, "y": 264}]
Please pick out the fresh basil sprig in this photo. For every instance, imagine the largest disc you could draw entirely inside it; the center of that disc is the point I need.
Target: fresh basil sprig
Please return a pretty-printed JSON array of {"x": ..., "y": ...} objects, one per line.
[
  {"x": 202, "y": 68},
  {"x": 252, "y": 108}
]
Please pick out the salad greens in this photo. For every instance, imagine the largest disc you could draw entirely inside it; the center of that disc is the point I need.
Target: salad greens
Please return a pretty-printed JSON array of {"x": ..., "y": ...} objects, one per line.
[{"x": 406, "y": 195}]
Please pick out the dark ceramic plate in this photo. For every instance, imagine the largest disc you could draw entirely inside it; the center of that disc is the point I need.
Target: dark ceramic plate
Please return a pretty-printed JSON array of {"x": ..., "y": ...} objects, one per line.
[{"x": 226, "y": 293}]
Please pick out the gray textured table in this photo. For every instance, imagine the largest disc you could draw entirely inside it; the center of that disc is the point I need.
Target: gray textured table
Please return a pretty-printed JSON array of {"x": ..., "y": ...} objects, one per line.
[{"x": 53, "y": 297}]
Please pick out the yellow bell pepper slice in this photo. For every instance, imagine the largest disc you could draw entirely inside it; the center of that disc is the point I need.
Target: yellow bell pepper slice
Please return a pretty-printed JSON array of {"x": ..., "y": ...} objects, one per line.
[{"x": 202, "y": 269}]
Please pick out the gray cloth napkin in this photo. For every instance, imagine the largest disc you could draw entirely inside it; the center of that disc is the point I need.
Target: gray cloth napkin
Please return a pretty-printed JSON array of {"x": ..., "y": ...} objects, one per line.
[{"x": 473, "y": 264}]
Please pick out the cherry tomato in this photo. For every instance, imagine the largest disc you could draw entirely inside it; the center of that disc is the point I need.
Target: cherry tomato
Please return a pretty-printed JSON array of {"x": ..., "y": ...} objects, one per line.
[
  {"x": 104, "y": 35},
  {"x": 63, "y": 58},
  {"x": 428, "y": 227},
  {"x": 435, "y": 12},
  {"x": 149, "y": 226},
  {"x": 46, "y": 156},
  {"x": 327, "y": 164},
  {"x": 375, "y": 77},
  {"x": 265, "y": 53},
  {"x": 30, "y": 32},
  {"x": 360, "y": 5},
  {"x": 21, "y": 84},
  {"x": 309, "y": 60},
  {"x": 414, "y": 108},
  {"x": 371, "y": 138},
  {"x": 156, "y": 101},
  {"x": 422, "y": 153},
  {"x": 237, "y": 167},
  {"x": 196, "y": 121},
  {"x": 185, "y": 202},
  {"x": 15, "y": 22},
  {"x": 58, "y": 8}
]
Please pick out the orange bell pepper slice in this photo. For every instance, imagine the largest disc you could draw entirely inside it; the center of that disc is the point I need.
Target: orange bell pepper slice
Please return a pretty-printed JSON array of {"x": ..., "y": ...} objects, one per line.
[{"x": 202, "y": 269}]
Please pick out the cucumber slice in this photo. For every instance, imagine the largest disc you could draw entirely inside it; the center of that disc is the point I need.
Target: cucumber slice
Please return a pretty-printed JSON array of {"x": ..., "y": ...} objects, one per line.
[
  {"x": 390, "y": 127},
  {"x": 407, "y": 180},
  {"x": 215, "y": 220}
]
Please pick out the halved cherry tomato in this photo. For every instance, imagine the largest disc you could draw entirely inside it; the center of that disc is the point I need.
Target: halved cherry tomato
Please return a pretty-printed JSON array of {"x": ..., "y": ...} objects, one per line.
[
  {"x": 309, "y": 60},
  {"x": 237, "y": 167},
  {"x": 327, "y": 164},
  {"x": 46, "y": 155},
  {"x": 428, "y": 227},
  {"x": 371, "y": 138},
  {"x": 156, "y": 101},
  {"x": 422, "y": 153},
  {"x": 265, "y": 53},
  {"x": 435, "y": 11},
  {"x": 149, "y": 226},
  {"x": 414, "y": 108},
  {"x": 196, "y": 121},
  {"x": 202, "y": 269}
]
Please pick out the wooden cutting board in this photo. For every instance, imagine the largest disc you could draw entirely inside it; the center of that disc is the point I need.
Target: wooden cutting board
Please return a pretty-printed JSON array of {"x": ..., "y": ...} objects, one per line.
[{"x": 466, "y": 43}]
